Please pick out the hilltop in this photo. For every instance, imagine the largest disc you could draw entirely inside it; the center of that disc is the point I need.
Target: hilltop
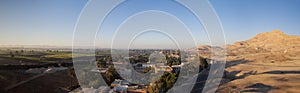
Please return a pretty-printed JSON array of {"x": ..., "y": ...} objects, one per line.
[
  {"x": 274, "y": 45},
  {"x": 268, "y": 62},
  {"x": 270, "y": 45},
  {"x": 274, "y": 41}
]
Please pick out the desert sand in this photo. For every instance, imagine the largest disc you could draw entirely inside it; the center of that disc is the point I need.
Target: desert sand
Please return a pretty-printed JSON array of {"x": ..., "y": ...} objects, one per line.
[{"x": 268, "y": 62}]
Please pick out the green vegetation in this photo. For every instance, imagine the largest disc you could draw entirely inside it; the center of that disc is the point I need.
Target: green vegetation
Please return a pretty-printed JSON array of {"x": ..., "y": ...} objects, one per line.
[
  {"x": 59, "y": 55},
  {"x": 111, "y": 74},
  {"x": 173, "y": 60},
  {"x": 101, "y": 64},
  {"x": 20, "y": 56},
  {"x": 203, "y": 63},
  {"x": 147, "y": 70},
  {"x": 163, "y": 84},
  {"x": 167, "y": 80},
  {"x": 27, "y": 56},
  {"x": 103, "y": 59}
]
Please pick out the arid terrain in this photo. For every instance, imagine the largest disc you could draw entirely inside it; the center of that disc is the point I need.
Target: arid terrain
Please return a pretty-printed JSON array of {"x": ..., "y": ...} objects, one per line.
[
  {"x": 29, "y": 70},
  {"x": 268, "y": 62}
]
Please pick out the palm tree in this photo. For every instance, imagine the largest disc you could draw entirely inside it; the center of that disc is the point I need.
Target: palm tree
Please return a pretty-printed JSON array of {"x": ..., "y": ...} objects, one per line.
[
  {"x": 203, "y": 62},
  {"x": 111, "y": 74},
  {"x": 71, "y": 73}
]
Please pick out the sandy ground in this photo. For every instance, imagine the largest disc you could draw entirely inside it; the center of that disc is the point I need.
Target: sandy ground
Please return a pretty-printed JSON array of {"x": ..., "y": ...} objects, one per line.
[{"x": 256, "y": 74}]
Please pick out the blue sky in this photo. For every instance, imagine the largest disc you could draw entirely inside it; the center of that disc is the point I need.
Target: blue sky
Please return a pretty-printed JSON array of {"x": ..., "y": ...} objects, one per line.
[
  {"x": 243, "y": 19},
  {"x": 38, "y": 22},
  {"x": 52, "y": 22}
]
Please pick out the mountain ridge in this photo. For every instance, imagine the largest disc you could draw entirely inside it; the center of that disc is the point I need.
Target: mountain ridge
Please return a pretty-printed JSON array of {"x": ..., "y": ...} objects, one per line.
[
  {"x": 268, "y": 61},
  {"x": 274, "y": 44},
  {"x": 274, "y": 41}
]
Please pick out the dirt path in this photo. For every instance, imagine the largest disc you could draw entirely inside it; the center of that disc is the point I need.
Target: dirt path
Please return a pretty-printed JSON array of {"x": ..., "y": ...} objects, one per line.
[{"x": 25, "y": 81}]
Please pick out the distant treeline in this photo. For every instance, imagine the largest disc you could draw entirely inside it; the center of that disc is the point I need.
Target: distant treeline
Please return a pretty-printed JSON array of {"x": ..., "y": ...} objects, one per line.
[{"x": 15, "y": 67}]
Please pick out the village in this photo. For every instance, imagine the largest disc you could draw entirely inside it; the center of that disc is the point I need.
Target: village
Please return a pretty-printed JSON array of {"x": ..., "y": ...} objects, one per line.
[{"x": 165, "y": 63}]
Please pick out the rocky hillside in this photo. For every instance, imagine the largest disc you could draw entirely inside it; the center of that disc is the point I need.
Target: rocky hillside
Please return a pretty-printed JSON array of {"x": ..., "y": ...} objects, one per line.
[
  {"x": 274, "y": 41},
  {"x": 266, "y": 63},
  {"x": 274, "y": 45}
]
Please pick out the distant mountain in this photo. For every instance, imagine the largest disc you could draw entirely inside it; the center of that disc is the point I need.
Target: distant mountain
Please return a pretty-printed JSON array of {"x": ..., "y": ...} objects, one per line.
[
  {"x": 274, "y": 41},
  {"x": 275, "y": 44}
]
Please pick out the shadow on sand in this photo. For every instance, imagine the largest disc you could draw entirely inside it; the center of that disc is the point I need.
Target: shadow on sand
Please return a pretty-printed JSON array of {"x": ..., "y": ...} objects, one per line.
[
  {"x": 258, "y": 87},
  {"x": 202, "y": 77},
  {"x": 236, "y": 62},
  {"x": 281, "y": 72}
]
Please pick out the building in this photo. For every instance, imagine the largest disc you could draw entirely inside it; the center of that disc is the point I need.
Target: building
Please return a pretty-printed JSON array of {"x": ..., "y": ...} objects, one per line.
[{"x": 123, "y": 86}]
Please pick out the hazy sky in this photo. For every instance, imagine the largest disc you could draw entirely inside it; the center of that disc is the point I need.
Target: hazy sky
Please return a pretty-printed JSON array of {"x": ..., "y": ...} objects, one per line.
[{"x": 52, "y": 22}]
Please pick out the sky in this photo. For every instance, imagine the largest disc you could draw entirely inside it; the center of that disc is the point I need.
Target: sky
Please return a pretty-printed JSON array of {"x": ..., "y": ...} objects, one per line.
[{"x": 52, "y": 22}]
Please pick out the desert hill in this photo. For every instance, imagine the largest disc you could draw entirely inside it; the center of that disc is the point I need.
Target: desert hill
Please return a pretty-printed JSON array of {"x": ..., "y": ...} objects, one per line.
[
  {"x": 268, "y": 62},
  {"x": 267, "y": 46},
  {"x": 274, "y": 41},
  {"x": 273, "y": 45}
]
